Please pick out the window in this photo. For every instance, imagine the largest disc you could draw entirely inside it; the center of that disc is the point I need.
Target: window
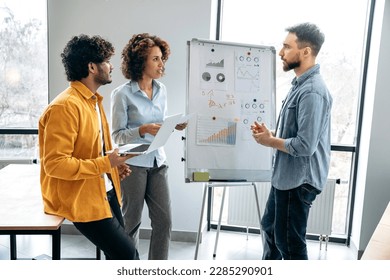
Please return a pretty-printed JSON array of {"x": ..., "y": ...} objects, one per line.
[
  {"x": 23, "y": 76},
  {"x": 264, "y": 23}
]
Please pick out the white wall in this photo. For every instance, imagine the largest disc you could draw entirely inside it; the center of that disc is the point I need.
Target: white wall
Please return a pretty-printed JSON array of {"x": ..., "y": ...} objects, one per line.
[
  {"x": 373, "y": 177},
  {"x": 177, "y": 21}
]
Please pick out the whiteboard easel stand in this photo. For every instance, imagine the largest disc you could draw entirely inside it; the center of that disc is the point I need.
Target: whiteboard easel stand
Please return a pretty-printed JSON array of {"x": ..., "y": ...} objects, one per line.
[{"x": 224, "y": 185}]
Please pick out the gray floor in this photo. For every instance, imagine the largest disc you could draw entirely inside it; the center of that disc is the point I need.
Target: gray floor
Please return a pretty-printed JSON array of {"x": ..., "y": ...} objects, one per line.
[{"x": 231, "y": 246}]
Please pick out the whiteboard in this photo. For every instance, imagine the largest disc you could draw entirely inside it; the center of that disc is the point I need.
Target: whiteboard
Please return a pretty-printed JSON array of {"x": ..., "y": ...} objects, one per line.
[{"x": 229, "y": 86}]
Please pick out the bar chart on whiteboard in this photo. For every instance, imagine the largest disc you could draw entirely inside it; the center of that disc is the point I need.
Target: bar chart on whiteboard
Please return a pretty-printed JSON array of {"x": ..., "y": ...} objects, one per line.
[{"x": 216, "y": 131}]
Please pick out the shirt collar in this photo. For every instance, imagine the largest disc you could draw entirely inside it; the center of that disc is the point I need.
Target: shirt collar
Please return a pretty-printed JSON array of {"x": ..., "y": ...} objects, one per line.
[
  {"x": 135, "y": 87},
  {"x": 301, "y": 79},
  {"x": 85, "y": 91}
]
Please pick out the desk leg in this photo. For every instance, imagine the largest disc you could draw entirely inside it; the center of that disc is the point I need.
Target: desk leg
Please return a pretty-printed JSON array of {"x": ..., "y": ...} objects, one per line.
[
  {"x": 56, "y": 244},
  {"x": 12, "y": 241},
  {"x": 98, "y": 253},
  {"x": 200, "y": 221}
]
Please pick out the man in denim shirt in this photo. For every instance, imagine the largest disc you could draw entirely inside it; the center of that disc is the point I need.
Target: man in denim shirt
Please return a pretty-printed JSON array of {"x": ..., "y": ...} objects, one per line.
[{"x": 302, "y": 143}]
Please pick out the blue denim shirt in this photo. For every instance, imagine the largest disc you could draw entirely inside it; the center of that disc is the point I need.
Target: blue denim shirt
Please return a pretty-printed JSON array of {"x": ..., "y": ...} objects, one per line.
[
  {"x": 305, "y": 124},
  {"x": 130, "y": 108}
]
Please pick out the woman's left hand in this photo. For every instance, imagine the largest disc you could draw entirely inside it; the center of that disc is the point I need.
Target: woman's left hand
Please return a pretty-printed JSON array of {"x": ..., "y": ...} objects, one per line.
[{"x": 124, "y": 171}]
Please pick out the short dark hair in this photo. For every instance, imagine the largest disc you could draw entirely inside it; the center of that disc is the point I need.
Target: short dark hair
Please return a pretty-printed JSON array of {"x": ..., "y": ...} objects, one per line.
[
  {"x": 308, "y": 34},
  {"x": 136, "y": 51},
  {"x": 80, "y": 51}
]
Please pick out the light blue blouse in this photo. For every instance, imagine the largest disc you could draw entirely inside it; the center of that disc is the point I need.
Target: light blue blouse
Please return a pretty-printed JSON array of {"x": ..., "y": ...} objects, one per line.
[{"x": 130, "y": 108}]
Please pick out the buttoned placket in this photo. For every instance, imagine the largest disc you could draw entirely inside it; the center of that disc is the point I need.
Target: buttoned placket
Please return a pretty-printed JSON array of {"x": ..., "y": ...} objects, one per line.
[
  {"x": 284, "y": 105},
  {"x": 107, "y": 181}
]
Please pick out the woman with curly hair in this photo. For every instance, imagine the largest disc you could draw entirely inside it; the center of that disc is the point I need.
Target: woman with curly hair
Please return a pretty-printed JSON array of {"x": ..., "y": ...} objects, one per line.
[{"x": 138, "y": 109}]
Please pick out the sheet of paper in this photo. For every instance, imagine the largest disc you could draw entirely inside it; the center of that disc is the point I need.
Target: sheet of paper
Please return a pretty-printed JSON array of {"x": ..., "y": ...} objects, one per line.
[{"x": 186, "y": 118}]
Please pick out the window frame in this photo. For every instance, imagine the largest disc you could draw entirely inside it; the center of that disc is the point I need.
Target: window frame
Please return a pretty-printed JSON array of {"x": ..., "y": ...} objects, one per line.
[{"x": 353, "y": 149}]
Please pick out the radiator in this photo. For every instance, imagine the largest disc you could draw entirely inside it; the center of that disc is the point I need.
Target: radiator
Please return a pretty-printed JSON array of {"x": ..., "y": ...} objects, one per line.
[
  {"x": 242, "y": 207},
  {"x": 321, "y": 212}
]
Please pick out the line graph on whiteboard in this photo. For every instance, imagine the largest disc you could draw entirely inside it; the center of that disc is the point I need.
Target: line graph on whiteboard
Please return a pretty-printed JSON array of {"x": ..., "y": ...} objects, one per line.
[
  {"x": 216, "y": 131},
  {"x": 247, "y": 72}
]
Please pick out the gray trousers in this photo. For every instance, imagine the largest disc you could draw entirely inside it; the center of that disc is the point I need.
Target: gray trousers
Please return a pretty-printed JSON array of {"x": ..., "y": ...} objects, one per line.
[{"x": 149, "y": 185}]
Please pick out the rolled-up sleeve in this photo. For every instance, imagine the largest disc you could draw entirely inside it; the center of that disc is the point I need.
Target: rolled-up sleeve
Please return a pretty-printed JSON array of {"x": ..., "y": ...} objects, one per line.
[{"x": 311, "y": 123}]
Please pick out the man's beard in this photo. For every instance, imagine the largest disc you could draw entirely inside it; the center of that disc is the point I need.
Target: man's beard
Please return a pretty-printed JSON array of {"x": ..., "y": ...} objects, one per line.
[
  {"x": 291, "y": 65},
  {"x": 103, "y": 78}
]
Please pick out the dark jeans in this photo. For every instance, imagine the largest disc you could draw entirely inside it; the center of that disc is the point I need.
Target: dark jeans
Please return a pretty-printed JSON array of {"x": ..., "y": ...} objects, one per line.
[
  {"x": 284, "y": 223},
  {"x": 109, "y": 234}
]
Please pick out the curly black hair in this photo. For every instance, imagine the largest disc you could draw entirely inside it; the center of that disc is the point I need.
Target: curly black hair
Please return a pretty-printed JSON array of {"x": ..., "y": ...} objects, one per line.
[
  {"x": 135, "y": 53},
  {"x": 80, "y": 51}
]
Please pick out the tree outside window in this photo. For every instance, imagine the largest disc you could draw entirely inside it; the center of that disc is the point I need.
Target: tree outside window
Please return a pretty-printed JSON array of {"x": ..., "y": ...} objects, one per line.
[{"x": 23, "y": 73}]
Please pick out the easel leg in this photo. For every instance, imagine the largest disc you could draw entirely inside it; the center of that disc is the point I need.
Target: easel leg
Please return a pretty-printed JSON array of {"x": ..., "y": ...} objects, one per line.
[
  {"x": 200, "y": 221},
  {"x": 258, "y": 210},
  {"x": 219, "y": 222}
]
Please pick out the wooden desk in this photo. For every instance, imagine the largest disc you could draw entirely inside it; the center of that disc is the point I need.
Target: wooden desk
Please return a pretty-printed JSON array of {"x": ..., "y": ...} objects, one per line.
[
  {"x": 378, "y": 247},
  {"x": 21, "y": 207}
]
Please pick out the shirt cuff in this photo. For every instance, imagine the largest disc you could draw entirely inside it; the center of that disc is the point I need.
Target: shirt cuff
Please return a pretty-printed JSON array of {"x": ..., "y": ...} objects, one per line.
[
  {"x": 139, "y": 134},
  {"x": 287, "y": 146}
]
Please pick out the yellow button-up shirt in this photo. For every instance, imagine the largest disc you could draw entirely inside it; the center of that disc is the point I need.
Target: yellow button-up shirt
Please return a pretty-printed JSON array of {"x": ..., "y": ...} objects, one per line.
[{"x": 72, "y": 165}]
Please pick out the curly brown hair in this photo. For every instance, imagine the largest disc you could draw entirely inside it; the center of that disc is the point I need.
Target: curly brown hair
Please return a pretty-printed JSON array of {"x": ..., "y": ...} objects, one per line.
[
  {"x": 80, "y": 51},
  {"x": 136, "y": 51}
]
